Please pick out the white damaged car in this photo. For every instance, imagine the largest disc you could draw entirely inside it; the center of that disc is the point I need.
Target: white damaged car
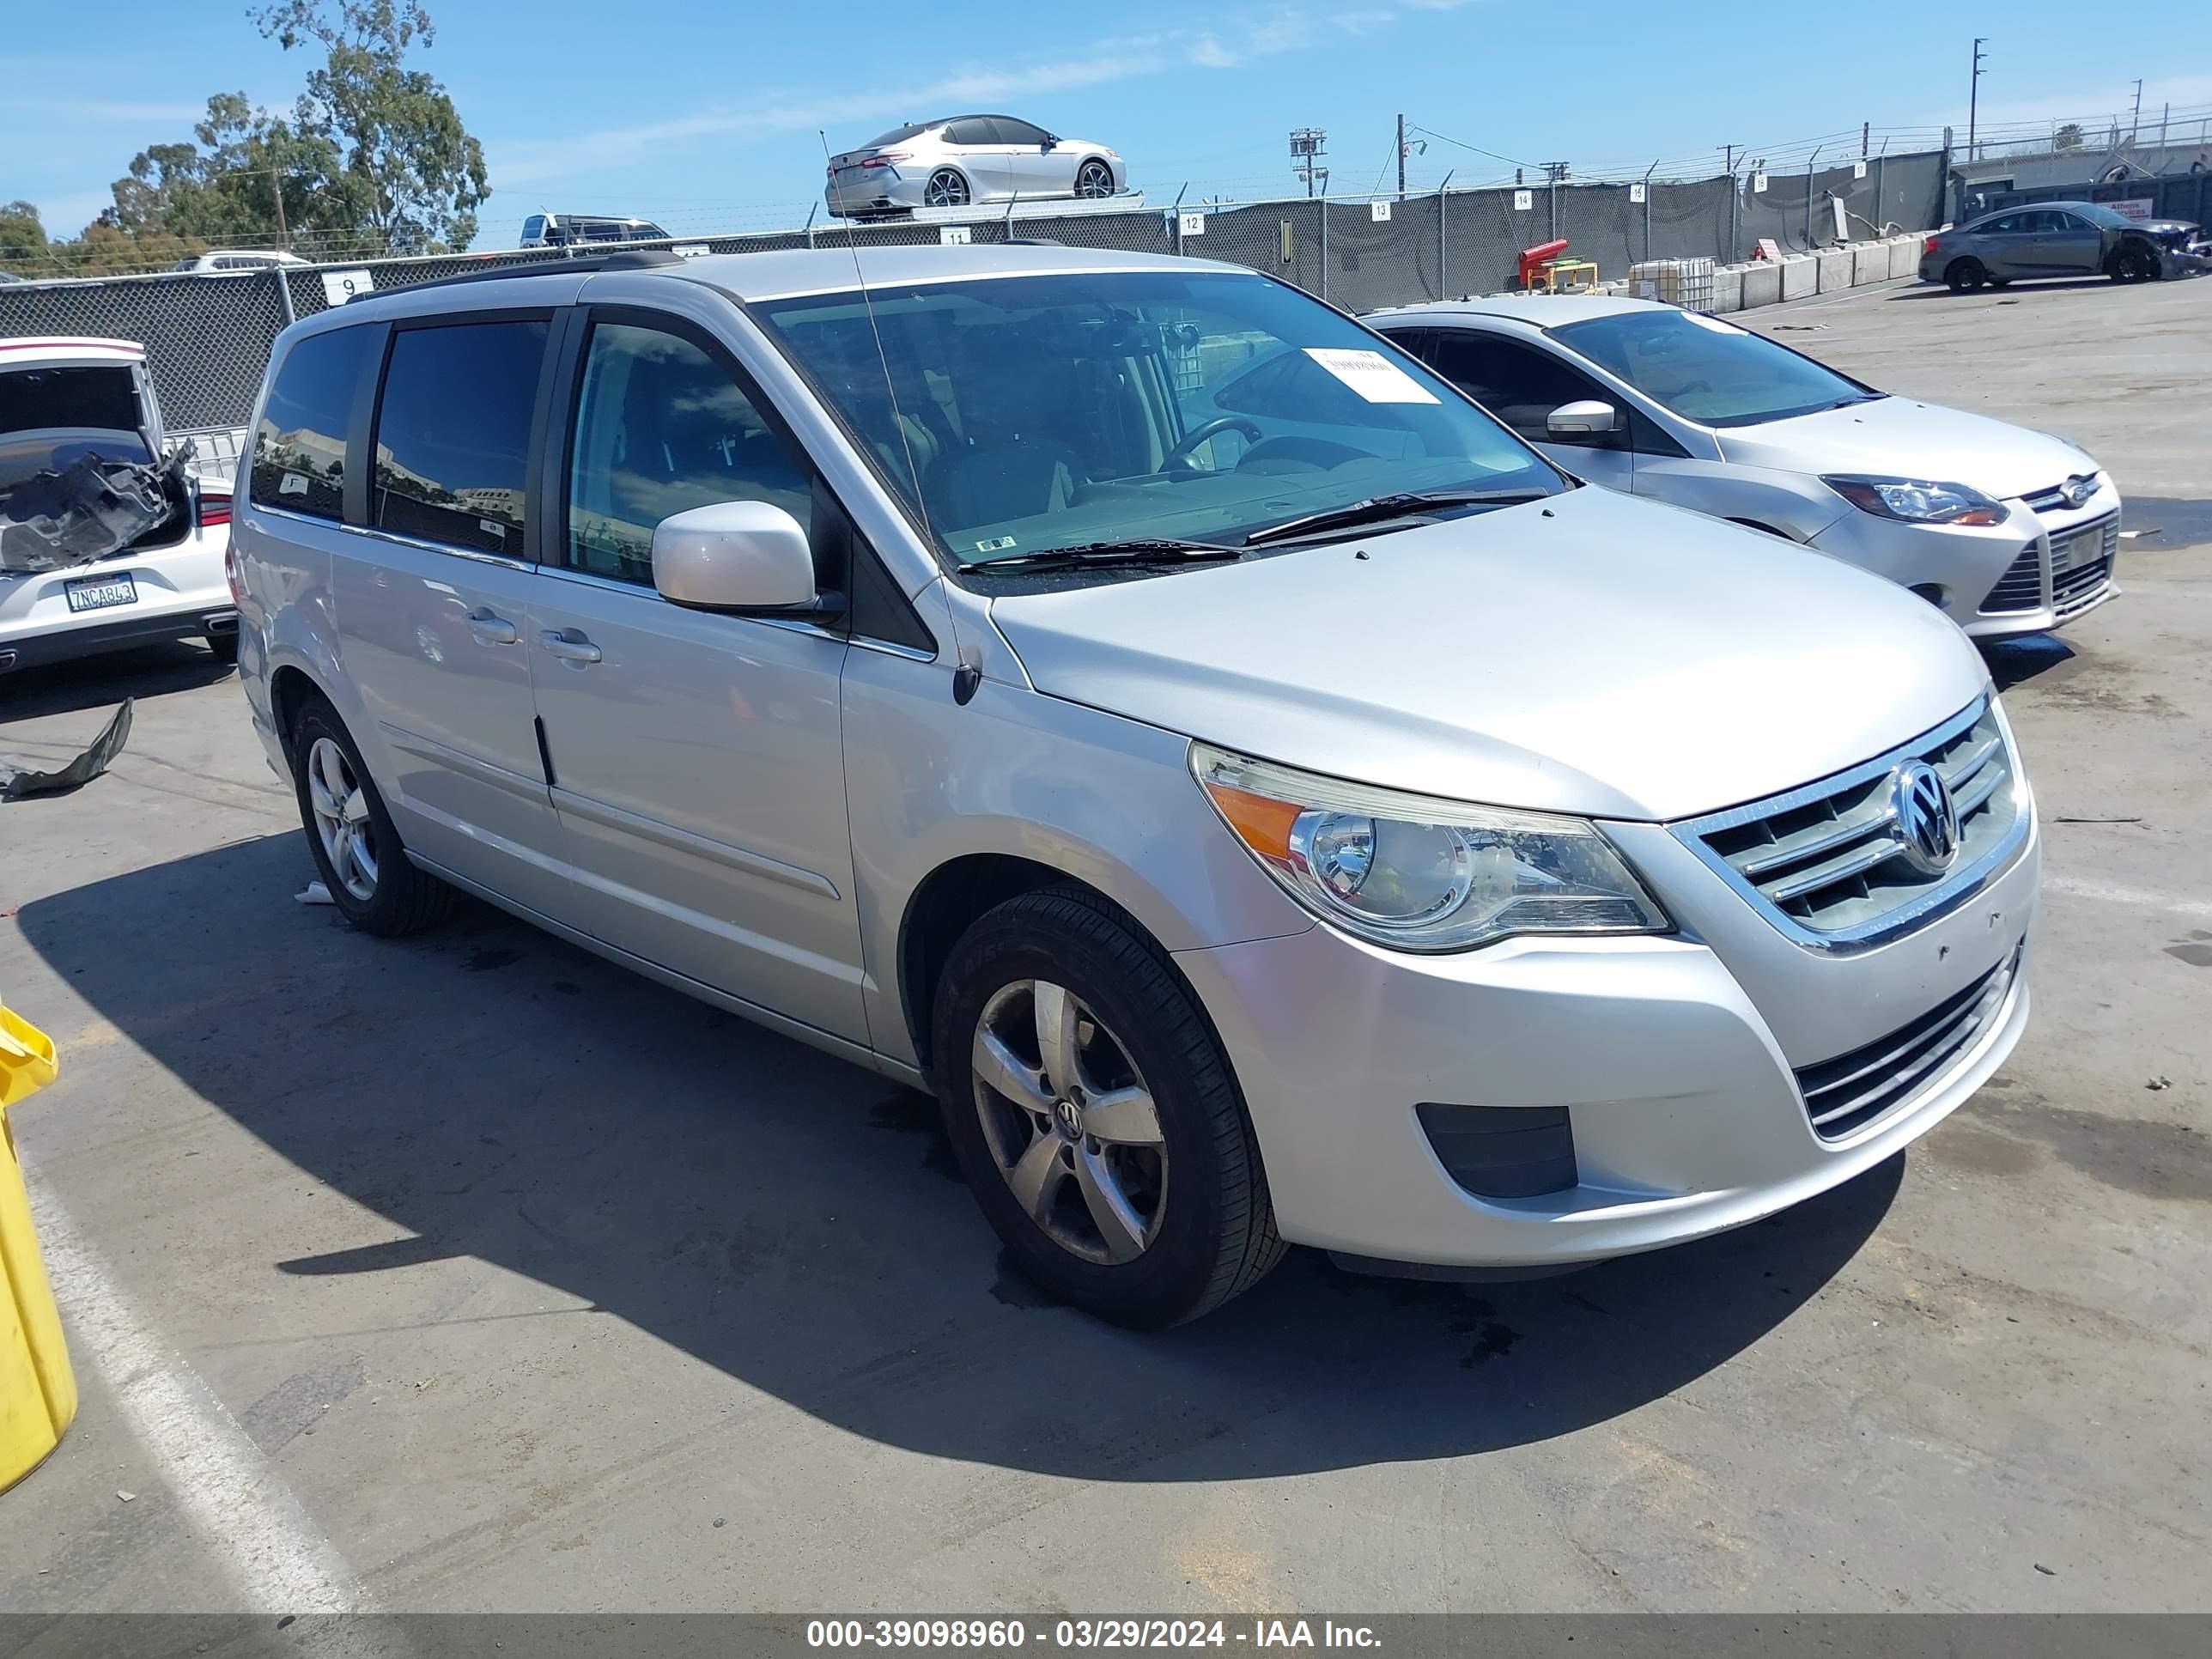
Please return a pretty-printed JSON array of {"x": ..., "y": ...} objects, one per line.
[{"x": 108, "y": 538}]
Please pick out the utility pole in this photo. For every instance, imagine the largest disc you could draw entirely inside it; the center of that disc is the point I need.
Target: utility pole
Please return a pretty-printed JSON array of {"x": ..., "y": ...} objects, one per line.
[
  {"x": 1308, "y": 145},
  {"x": 1401, "y": 157},
  {"x": 1974, "y": 94},
  {"x": 283, "y": 236}
]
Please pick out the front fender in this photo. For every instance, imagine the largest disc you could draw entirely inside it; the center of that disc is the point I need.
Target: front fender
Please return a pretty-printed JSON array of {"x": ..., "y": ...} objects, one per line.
[{"x": 1793, "y": 504}]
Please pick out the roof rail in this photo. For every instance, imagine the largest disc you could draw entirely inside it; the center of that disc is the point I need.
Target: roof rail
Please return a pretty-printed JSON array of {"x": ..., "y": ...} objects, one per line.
[{"x": 636, "y": 259}]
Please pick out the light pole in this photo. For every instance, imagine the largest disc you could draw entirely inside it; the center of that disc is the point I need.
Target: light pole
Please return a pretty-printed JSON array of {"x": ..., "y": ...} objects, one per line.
[
  {"x": 1308, "y": 145},
  {"x": 1974, "y": 94}
]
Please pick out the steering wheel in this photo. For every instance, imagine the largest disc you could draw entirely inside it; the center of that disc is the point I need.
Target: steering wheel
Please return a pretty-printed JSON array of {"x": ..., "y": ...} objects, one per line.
[{"x": 1180, "y": 455}]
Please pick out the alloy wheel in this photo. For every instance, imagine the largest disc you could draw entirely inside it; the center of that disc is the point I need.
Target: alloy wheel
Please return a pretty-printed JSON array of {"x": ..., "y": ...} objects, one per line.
[
  {"x": 1094, "y": 180},
  {"x": 946, "y": 188},
  {"x": 342, "y": 819},
  {"x": 1069, "y": 1122}
]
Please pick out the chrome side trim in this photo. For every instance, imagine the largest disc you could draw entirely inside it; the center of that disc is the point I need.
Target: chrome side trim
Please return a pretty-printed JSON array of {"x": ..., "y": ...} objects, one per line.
[
  {"x": 684, "y": 841},
  {"x": 469, "y": 766},
  {"x": 1938, "y": 901}
]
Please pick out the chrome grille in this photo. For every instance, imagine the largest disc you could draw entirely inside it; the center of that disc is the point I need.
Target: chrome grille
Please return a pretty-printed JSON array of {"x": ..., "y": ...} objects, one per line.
[
  {"x": 1826, "y": 864},
  {"x": 1852, "y": 1090}
]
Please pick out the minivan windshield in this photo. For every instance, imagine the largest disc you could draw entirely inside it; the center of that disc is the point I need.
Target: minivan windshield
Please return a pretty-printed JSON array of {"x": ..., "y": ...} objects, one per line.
[
  {"x": 1706, "y": 370},
  {"x": 1030, "y": 413}
]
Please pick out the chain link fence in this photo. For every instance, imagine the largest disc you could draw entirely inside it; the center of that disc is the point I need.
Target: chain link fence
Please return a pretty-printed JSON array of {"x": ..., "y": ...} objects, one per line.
[{"x": 206, "y": 337}]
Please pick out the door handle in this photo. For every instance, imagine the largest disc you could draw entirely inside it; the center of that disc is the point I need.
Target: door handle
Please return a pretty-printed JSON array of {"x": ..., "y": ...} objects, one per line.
[
  {"x": 569, "y": 645},
  {"x": 490, "y": 630}
]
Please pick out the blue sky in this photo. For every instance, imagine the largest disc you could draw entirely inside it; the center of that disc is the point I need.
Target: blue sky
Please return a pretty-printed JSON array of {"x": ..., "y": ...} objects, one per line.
[{"x": 704, "y": 116}]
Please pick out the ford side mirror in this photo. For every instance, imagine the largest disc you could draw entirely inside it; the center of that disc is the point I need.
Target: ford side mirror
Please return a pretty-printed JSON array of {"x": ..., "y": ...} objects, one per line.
[
  {"x": 738, "y": 556},
  {"x": 1582, "y": 419}
]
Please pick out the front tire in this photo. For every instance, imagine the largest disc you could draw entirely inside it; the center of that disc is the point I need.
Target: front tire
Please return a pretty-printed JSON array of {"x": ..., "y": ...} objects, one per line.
[
  {"x": 1094, "y": 180},
  {"x": 1965, "y": 274},
  {"x": 2131, "y": 264},
  {"x": 1094, "y": 1114},
  {"x": 357, "y": 852}
]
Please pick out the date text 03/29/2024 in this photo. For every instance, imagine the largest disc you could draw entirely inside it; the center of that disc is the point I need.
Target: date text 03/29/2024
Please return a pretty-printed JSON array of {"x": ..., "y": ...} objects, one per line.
[{"x": 1011, "y": 1635}]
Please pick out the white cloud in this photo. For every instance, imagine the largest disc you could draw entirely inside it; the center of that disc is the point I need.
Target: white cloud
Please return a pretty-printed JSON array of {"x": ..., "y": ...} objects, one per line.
[{"x": 1209, "y": 53}]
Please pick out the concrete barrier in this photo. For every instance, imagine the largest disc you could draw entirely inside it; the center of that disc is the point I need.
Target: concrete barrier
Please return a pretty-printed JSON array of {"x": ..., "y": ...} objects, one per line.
[
  {"x": 1870, "y": 263},
  {"x": 1905, "y": 256},
  {"x": 1834, "y": 265},
  {"x": 1761, "y": 285},
  {"x": 1727, "y": 289},
  {"x": 1801, "y": 276}
]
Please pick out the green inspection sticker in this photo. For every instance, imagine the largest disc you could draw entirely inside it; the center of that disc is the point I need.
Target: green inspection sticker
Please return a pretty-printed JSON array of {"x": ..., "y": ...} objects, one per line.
[{"x": 996, "y": 544}]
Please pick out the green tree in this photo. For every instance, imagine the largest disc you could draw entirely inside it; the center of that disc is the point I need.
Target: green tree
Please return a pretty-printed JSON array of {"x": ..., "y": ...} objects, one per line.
[
  {"x": 252, "y": 181},
  {"x": 408, "y": 171},
  {"x": 23, "y": 240}
]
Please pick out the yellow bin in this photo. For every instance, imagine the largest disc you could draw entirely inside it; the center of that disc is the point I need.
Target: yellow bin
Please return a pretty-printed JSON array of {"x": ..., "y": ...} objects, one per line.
[{"x": 38, "y": 1395}]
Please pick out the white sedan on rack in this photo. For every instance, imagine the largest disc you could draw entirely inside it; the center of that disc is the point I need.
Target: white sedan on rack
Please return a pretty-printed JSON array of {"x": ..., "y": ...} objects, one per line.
[
  {"x": 967, "y": 160},
  {"x": 2005, "y": 530}
]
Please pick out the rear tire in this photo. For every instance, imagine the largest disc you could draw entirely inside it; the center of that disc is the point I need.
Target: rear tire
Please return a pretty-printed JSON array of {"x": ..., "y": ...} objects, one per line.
[
  {"x": 356, "y": 850},
  {"x": 1115, "y": 1160},
  {"x": 1965, "y": 274},
  {"x": 947, "y": 187}
]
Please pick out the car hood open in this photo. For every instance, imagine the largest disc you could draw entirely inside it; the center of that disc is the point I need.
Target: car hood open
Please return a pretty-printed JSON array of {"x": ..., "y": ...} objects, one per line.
[
  {"x": 1591, "y": 653},
  {"x": 1898, "y": 438}
]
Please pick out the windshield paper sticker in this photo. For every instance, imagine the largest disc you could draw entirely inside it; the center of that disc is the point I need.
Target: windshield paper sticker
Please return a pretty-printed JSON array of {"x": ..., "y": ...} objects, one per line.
[{"x": 1373, "y": 376}]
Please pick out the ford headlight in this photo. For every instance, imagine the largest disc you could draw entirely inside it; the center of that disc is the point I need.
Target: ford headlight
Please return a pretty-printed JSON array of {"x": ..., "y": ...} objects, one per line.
[
  {"x": 1420, "y": 874},
  {"x": 1916, "y": 501}
]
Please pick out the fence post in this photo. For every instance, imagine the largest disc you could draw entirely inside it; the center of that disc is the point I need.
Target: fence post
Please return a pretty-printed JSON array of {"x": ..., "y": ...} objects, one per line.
[
  {"x": 1735, "y": 226},
  {"x": 1812, "y": 171},
  {"x": 1443, "y": 245},
  {"x": 284, "y": 295},
  {"x": 1324, "y": 247},
  {"x": 1554, "y": 195},
  {"x": 1881, "y": 211},
  {"x": 1647, "y": 172}
]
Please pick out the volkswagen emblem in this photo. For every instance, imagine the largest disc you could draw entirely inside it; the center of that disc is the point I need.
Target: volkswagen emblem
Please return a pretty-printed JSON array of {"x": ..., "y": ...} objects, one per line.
[
  {"x": 2078, "y": 488},
  {"x": 1927, "y": 816}
]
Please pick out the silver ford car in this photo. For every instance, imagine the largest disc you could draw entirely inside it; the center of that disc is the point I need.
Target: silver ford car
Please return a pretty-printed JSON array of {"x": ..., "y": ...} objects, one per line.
[
  {"x": 1315, "y": 820},
  {"x": 2005, "y": 530}
]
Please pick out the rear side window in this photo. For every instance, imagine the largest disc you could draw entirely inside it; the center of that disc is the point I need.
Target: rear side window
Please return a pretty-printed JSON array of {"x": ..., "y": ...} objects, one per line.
[
  {"x": 299, "y": 447},
  {"x": 453, "y": 435}
]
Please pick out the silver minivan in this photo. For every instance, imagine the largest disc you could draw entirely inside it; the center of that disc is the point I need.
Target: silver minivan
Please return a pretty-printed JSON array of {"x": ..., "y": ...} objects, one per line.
[{"x": 1318, "y": 821}]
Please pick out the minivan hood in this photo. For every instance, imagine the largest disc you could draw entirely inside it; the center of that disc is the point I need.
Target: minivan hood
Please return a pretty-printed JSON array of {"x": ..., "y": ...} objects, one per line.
[
  {"x": 1898, "y": 438},
  {"x": 1592, "y": 653}
]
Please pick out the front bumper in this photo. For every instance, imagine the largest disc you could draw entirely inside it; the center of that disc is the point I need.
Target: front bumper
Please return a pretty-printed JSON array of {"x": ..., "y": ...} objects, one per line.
[
  {"x": 1995, "y": 581},
  {"x": 1674, "y": 1058}
]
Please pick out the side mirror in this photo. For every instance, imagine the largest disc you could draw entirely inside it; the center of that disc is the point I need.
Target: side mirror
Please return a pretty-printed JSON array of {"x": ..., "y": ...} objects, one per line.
[
  {"x": 1050, "y": 142},
  {"x": 1582, "y": 419},
  {"x": 734, "y": 555}
]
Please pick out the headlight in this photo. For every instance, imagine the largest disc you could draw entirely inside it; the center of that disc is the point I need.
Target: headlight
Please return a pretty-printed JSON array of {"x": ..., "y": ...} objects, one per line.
[
  {"x": 1918, "y": 501},
  {"x": 1419, "y": 874}
]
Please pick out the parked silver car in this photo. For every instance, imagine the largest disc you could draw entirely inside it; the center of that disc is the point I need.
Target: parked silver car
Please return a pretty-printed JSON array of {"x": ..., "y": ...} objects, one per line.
[
  {"x": 967, "y": 160},
  {"x": 2004, "y": 529},
  {"x": 1320, "y": 821},
  {"x": 2052, "y": 238}
]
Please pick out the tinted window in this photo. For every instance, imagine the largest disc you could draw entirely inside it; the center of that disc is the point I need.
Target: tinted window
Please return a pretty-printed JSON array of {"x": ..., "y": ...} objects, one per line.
[
  {"x": 662, "y": 428},
  {"x": 534, "y": 226},
  {"x": 897, "y": 136},
  {"x": 1708, "y": 370},
  {"x": 453, "y": 435},
  {"x": 973, "y": 129},
  {"x": 2005, "y": 224},
  {"x": 2106, "y": 218},
  {"x": 299, "y": 447},
  {"x": 1011, "y": 132},
  {"x": 1519, "y": 383}
]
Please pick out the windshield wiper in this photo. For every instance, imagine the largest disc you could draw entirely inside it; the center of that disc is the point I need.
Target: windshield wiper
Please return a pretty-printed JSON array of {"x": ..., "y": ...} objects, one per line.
[
  {"x": 1377, "y": 508},
  {"x": 1090, "y": 555}
]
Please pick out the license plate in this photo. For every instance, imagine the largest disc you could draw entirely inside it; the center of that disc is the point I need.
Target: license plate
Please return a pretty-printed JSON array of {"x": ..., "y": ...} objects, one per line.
[
  {"x": 98, "y": 592},
  {"x": 2078, "y": 550}
]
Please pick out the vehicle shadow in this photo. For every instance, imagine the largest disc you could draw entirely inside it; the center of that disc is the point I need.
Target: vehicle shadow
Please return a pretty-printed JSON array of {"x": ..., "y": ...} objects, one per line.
[
  {"x": 99, "y": 682},
  {"x": 796, "y": 1222},
  {"x": 2014, "y": 661},
  {"x": 2014, "y": 288}
]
